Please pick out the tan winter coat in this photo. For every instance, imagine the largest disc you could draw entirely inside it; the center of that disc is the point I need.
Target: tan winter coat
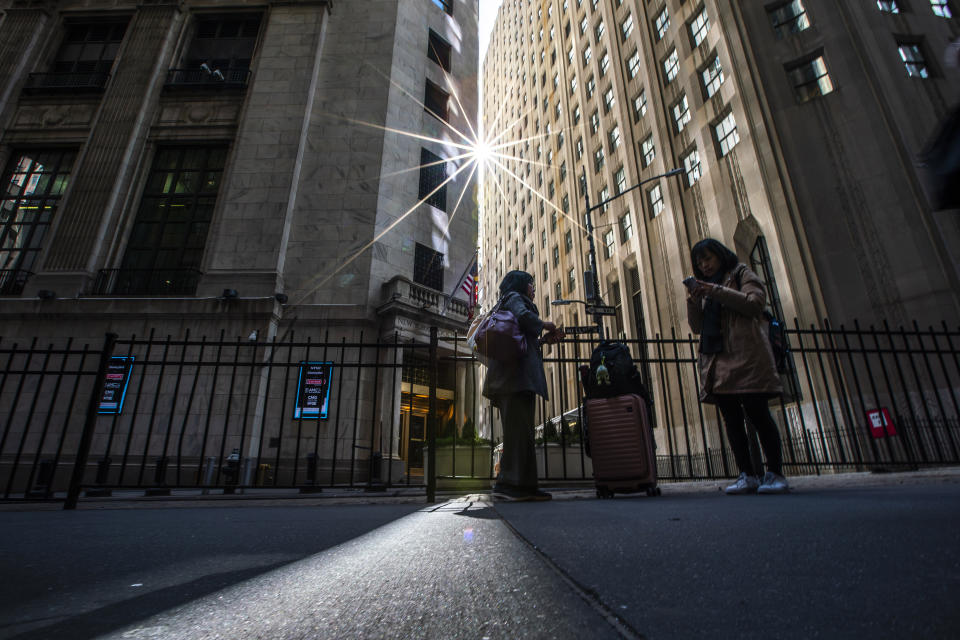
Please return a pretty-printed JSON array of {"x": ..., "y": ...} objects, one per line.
[{"x": 746, "y": 364}]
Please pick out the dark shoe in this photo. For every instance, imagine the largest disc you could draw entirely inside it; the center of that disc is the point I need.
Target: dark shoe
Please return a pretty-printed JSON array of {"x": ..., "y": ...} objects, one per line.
[
  {"x": 509, "y": 494},
  {"x": 541, "y": 496}
]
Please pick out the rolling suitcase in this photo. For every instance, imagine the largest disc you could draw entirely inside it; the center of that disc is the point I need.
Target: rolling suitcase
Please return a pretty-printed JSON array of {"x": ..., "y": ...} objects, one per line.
[{"x": 621, "y": 445}]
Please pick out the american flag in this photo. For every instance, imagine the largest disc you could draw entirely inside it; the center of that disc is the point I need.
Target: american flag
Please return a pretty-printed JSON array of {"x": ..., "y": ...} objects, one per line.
[{"x": 469, "y": 284}]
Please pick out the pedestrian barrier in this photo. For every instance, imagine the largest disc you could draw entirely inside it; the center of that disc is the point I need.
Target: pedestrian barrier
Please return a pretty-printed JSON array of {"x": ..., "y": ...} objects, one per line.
[{"x": 160, "y": 415}]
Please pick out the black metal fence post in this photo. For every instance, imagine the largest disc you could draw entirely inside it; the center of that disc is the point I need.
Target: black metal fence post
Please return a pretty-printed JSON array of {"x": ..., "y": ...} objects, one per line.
[
  {"x": 432, "y": 421},
  {"x": 86, "y": 438}
]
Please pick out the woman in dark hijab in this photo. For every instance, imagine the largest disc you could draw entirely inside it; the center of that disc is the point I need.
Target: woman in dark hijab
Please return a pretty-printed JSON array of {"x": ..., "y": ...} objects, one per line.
[
  {"x": 513, "y": 386},
  {"x": 737, "y": 370}
]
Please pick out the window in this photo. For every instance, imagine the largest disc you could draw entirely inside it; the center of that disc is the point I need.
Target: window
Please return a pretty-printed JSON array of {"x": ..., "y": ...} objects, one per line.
[
  {"x": 640, "y": 105},
  {"x": 941, "y": 8},
  {"x": 602, "y": 196},
  {"x": 572, "y": 280},
  {"x": 225, "y": 44},
  {"x": 558, "y": 111},
  {"x": 573, "y": 85},
  {"x": 546, "y": 275},
  {"x": 576, "y": 114},
  {"x": 428, "y": 267},
  {"x": 433, "y": 176},
  {"x": 620, "y": 177},
  {"x": 681, "y": 113},
  {"x": 614, "y": 137},
  {"x": 582, "y": 181},
  {"x": 558, "y": 292},
  {"x": 598, "y": 159},
  {"x": 556, "y": 80},
  {"x": 633, "y": 65},
  {"x": 655, "y": 198},
  {"x": 810, "y": 78},
  {"x": 556, "y": 256},
  {"x": 579, "y": 148},
  {"x": 446, "y": 5},
  {"x": 435, "y": 101},
  {"x": 662, "y": 23},
  {"x": 33, "y": 184},
  {"x": 609, "y": 243},
  {"x": 170, "y": 231},
  {"x": 712, "y": 76},
  {"x": 85, "y": 56},
  {"x": 888, "y": 6},
  {"x": 648, "y": 151},
  {"x": 626, "y": 27},
  {"x": 788, "y": 17},
  {"x": 726, "y": 134},
  {"x": 598, "y": 31},
  {"x": 691, "y": 166},
  {"x": 913, "y": 60},
  {"x": 583, "y": 25},
  {"x": 567, "y": 242},
  {"x": 699, "y": 27},
  {"x": 604, "y": 63},
  {"x": 553, "y": 219},
  {"x": 543, "y": 242},
  {"x": 570, "y": 55},
  {"x": 565, "y": 203},
  {"x": 551, "y": 189},
  {"x": 626, "y": 227},
  {"x": 670, "y": 67},
  {"x": 594, "y": 122},
  {"x": 608, "y": 100},
  {"x": 438, "y": 50},
  {"x": 587, "y": 54}
]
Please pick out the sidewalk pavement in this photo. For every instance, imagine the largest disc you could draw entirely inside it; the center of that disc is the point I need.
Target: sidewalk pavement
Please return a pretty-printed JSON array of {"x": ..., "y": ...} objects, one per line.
[{"x": 847, "y": 556}]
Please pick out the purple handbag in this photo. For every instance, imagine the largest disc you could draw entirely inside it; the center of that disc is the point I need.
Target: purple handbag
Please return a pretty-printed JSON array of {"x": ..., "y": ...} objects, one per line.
[{"x": 498, "y": 336}]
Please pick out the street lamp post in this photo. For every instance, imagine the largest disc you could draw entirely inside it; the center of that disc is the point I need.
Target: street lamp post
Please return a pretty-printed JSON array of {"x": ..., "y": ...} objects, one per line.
[{"x": 595, "y": 284}]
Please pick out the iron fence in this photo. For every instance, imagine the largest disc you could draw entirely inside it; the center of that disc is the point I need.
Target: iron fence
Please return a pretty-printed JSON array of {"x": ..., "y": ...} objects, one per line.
[{"x": 156, "y": 414}]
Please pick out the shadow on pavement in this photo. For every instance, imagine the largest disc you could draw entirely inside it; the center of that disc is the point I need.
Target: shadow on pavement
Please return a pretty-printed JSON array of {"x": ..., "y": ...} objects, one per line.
[{"x": 127, "y": 612}]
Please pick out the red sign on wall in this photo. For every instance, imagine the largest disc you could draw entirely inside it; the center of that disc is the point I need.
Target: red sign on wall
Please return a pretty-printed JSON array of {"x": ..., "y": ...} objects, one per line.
[{"x": 880, "y": 423}]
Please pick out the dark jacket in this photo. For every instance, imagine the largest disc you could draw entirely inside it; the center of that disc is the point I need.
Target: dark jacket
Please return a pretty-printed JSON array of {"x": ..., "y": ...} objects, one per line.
[
  {"x": 746, "y": 364},
  {"x": 527, "y": 373}
]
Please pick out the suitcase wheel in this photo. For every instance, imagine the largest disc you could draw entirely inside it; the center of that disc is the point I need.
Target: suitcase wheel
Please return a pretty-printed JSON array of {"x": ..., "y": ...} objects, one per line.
[{"x": 604, "y": 493}]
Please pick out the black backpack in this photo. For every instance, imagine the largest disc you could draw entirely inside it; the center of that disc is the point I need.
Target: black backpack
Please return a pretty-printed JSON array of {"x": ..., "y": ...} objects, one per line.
[
  {"x": 612, "y": 373},
  {"x": 777, "y": 336}
]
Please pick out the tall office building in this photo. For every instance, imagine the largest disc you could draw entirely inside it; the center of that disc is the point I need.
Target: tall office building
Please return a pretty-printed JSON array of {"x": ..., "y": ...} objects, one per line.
[
  {"x": 240, "y": 168},
  {"x": 797, "y": 125}
]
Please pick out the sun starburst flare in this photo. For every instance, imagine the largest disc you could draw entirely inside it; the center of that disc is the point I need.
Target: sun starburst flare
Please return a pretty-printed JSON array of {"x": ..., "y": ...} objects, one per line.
[{"x": 478, "y": 153}]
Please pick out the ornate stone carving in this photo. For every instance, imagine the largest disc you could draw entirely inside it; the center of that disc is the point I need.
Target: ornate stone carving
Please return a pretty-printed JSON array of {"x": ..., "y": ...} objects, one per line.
[{"x": 57, "y": 116}]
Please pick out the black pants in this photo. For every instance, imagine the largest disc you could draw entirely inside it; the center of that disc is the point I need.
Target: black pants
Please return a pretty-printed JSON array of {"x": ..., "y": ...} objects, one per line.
[
  {"x": 518, "y": 464},
  {"x": 733, "y": 407}
]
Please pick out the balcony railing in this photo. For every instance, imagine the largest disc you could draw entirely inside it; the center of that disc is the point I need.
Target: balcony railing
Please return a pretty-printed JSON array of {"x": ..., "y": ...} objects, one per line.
[
  {"x": 200, "y": 79},
  {"x": 401, "y": 290},
  {"x": 74, "y": 81},
  {"x": 12, "y": 281},
  {"x": 146, "y": 282}
]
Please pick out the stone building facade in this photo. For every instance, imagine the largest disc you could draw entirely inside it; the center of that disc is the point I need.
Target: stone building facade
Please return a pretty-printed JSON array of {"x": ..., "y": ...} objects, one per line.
[
  {"x": 250, "y": 167},
  {"x": 797, "y": 125}
]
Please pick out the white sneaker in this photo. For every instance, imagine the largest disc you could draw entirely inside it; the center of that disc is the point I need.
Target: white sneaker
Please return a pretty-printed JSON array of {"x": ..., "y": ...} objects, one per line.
[
  {"x": 773, "y": 483},
  {"x": 744, "y": 484}
]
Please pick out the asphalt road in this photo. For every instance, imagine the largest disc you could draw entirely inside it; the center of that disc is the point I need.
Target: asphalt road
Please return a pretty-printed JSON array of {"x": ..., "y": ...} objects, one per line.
[{"x": 831, "y": 562}]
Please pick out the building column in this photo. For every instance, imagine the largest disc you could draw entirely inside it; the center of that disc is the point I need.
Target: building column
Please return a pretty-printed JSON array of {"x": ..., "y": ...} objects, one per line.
[
  {"x": 90, "y": 214},
  {"x": 21, "y": 33},
  {"x": 248, "y": 240}
]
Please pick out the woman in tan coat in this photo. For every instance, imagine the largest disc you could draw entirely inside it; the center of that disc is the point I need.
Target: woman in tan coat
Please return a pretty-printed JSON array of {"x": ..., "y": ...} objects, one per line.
[{"x": 737, "y": 370}]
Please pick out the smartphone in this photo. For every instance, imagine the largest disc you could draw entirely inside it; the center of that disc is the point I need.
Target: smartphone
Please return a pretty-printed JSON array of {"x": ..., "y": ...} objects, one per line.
[{"x": 690, "y": 282}]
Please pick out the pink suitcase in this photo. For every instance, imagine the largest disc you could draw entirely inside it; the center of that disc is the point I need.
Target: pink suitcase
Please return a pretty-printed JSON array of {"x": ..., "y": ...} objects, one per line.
[{"x": 621, "y": 446}]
